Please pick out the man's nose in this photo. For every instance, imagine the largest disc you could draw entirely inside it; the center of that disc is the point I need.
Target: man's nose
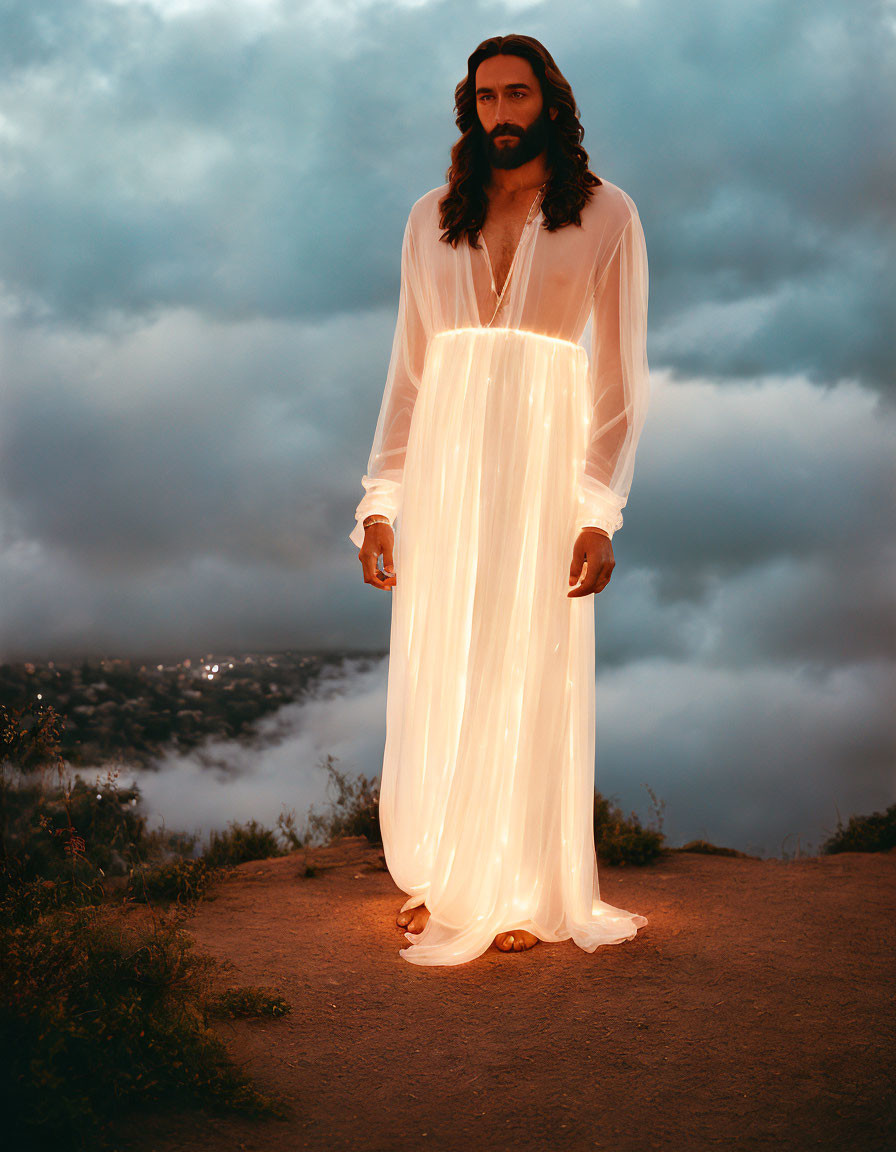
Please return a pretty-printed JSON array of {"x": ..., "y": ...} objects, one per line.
[{"x": 503, "y": 113}]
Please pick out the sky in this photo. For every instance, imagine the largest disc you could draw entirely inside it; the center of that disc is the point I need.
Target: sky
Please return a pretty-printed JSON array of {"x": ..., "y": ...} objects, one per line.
[{"x": 201, "y": 210}]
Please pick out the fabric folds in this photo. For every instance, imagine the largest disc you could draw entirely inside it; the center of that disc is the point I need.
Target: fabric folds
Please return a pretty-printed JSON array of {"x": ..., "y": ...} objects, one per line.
[
  {"x": 499, "y": 438},
  {"x": 487, "y": 790}
]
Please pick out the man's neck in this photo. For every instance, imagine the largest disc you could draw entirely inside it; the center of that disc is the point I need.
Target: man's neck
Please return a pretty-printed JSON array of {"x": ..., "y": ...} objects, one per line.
[{"x": 528, "y": 177}]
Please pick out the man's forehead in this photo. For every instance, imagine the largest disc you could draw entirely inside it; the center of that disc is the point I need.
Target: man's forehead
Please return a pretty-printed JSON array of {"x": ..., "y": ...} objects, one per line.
[{"x": 504, "y": 71}]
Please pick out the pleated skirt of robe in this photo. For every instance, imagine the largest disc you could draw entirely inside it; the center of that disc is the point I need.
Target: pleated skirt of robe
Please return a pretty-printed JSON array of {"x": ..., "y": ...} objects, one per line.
[{"x": 487, "y": 787}]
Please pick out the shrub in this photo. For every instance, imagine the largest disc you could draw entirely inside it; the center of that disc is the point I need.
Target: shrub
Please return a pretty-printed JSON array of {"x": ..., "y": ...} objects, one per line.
[
  {"x": 80, "y": 814},
  {"x": 101, "y": 1013},
  {"x": 623, "y": 840},
  {"x": 354, "y": 811},
  {"x": 181, "y": 881},
  {"x": 241, "y": 842},
  {"x": 708, "y": 849},
  {"x": 874, "y": 833}
]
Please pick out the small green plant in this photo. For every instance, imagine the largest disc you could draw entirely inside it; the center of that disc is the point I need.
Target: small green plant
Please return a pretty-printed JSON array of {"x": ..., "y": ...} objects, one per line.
[
  {"x": 26, "y": 900},
  {"x": 241, "y": 1002},
  {"x": 874, "y": 833},
  {"x": 29, "y": 746},
  {"x": 178, "y": 880},
  {"x": 622, "y": 840},
  {"x": 286, "y": 823},
  {"x": 354, "y": 811},
  {"x": 44, "y": 863},
  {"x": 241, "y": 842}
]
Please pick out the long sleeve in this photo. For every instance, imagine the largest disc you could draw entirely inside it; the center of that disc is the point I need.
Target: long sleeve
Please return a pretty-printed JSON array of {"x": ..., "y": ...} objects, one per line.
[
  {"x": 619, "y": 381},
  {"x": 385, "y": 468}
]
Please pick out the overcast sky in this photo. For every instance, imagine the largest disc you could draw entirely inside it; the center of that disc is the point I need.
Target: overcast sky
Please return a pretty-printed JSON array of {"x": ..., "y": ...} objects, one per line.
[{"x": 201, "y": 209}]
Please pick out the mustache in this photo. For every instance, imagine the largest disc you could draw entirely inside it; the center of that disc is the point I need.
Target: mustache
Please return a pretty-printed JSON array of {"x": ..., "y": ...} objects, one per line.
[{"x": 506, "y": 130}]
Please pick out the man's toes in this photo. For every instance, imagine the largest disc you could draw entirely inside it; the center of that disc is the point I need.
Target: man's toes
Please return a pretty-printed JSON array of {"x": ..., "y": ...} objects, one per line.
[
  {"x": 419, "y": 916},
  {"x": 515, "y": 941}
]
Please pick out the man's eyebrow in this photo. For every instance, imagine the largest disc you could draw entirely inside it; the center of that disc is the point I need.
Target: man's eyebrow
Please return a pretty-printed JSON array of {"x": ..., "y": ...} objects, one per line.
[{"x": 487, "y": 88}]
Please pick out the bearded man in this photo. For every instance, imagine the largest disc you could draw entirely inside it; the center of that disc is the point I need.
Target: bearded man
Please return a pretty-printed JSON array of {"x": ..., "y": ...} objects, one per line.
[{"x": 503, "y": 454}]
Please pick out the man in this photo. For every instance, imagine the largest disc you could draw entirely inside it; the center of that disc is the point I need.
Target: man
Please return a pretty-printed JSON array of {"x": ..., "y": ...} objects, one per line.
[{"x": 503, "y": 449}]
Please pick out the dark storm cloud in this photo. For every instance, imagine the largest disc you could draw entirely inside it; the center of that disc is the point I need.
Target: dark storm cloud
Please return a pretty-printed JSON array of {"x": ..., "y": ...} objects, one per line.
[
  {"x": 200, "y": 162},
  {"x": 185, "y": 438},
  {"x": 736, "y": 474},
  {"x": 242, "y": 166},
  {"x": 760, "y": 527}
]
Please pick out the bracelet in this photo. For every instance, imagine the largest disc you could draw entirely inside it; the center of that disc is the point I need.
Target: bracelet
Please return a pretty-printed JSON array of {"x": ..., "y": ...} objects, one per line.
[{"x": 375, "y": 520}]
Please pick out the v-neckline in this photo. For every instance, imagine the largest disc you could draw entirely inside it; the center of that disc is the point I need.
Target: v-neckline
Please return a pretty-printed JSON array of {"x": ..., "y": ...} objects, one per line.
[{"x": 530, "y": 219}]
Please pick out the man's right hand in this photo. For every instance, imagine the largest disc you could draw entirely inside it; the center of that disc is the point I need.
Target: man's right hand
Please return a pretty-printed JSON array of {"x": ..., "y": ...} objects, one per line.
[{"x": 378, "y": 541}]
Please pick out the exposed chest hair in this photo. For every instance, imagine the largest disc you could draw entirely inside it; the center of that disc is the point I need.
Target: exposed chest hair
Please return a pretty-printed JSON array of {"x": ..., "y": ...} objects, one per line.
[{"x": 502, "y": 231}]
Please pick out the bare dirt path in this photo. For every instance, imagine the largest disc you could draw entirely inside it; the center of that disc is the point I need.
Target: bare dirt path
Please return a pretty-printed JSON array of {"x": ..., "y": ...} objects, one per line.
[{"x": 753, "y": 1012}]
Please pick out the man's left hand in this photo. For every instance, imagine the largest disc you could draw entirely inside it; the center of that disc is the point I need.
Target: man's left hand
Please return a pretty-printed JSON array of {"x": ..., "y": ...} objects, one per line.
[{"x": 592, "y": 550}]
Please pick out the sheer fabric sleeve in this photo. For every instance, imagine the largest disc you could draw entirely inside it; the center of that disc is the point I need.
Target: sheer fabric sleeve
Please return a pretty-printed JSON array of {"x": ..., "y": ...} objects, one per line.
[
  {"x": 619, "y": 381},
  {"x": 385, "y": 468}
]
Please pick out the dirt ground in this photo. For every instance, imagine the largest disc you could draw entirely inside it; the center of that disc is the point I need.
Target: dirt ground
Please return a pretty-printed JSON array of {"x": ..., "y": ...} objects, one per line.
[{"x": 753, "y": 1012}]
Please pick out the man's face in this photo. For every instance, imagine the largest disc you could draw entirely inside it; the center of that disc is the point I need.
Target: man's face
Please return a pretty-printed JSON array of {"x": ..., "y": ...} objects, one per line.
[{"x": 511, "y": 111}]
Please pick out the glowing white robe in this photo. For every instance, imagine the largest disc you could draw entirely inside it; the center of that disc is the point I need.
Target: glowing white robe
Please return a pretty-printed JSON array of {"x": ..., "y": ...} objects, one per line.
[{"x": 499, "y": 437}]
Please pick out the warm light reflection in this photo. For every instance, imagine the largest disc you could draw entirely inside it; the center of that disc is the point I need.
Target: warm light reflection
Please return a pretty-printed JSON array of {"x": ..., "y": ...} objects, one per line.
[
  {"x": 517, "y": 332},
  {"x": 494, "y": 672}
]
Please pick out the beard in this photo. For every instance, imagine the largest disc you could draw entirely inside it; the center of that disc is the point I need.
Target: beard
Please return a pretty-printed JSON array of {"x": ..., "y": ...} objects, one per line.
[{"x": 531, "y": 142}]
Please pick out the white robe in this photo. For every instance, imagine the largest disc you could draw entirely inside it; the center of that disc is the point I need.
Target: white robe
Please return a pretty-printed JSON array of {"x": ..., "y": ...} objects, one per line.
[{"x": 499, "y": 437}]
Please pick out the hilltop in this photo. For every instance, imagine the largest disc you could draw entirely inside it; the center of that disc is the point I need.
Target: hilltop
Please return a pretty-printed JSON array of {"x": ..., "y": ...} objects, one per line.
[{"x": 754, "y": 1011}]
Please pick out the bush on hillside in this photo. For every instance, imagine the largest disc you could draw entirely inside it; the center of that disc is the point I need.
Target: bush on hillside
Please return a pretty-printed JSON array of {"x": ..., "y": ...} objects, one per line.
[
  {"x": 100, "y": 1014},
  {"x": 241, "y": 842},
  {"x": 620, "y": 839},
  {"x": 354, "y": 811},
  {"x": 874, "y": 833}
]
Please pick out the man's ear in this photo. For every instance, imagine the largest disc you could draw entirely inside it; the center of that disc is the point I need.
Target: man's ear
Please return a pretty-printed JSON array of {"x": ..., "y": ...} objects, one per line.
[{"x": 553, "y": 112}]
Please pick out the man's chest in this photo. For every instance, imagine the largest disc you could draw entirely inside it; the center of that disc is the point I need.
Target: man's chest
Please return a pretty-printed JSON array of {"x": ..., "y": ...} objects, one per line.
[
  {"x": 547, "y": 289},
  {"x": 502, "y": 232}
]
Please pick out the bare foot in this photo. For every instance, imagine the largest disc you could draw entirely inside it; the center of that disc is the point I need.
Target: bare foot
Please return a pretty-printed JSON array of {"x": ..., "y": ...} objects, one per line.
[
  {"x": 414, "y": 920},
  {"x": 515, "y": 941}
]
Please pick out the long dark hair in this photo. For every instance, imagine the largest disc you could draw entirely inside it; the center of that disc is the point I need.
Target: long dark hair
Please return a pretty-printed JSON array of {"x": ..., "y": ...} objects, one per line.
[{"x": 570, "y": 186}]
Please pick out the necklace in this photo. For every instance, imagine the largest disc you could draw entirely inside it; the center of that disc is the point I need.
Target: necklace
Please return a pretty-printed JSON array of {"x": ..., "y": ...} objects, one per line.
[{"x": 529, "y": 218}]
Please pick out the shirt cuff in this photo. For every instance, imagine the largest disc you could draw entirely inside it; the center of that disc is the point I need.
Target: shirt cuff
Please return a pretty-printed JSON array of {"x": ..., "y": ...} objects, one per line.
[
  {"x": 382, "y": 498},
  {"x": 599, "y": 507}
]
